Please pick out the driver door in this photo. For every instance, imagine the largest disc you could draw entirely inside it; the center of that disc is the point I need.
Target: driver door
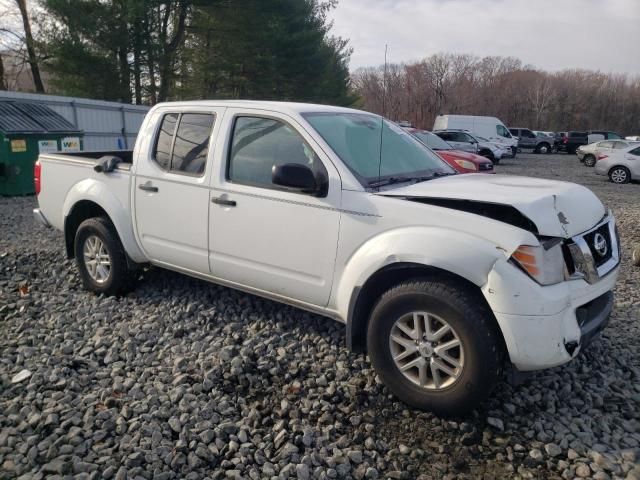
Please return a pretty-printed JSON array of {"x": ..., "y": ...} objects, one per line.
[{"x": 262, "y": 235}]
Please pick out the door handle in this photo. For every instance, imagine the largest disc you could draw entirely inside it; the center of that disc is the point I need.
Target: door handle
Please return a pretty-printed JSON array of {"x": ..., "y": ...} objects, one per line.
[
  {"x": 147, "y": 187},
  {"x": 223, "y": 201}
]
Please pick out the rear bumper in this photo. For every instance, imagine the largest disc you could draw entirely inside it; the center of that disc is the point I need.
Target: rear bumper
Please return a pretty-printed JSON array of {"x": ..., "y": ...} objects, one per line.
[{"x": 40, "y": 218}]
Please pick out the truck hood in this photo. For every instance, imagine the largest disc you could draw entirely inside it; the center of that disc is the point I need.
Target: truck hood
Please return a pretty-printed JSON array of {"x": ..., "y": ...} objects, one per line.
[{"x": 557, "y": 209}]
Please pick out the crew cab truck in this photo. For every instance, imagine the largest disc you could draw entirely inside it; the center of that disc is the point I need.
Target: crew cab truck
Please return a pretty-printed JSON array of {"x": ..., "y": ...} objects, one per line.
[{"x": 442, "y": 278}]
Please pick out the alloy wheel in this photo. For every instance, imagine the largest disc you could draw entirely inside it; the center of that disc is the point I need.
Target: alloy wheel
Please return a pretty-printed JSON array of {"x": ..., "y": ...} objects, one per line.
[
  {"x": 97, "y": 259},
  {"x": 427, "y": 350}
]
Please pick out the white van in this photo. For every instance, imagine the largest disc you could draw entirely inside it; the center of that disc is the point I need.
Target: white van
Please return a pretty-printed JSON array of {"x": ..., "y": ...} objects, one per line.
[{"x": 488, "y": 127}]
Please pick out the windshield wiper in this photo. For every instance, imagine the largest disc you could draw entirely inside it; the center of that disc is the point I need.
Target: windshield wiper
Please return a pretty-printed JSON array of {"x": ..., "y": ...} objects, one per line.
[{"x": 416, "y": 179}]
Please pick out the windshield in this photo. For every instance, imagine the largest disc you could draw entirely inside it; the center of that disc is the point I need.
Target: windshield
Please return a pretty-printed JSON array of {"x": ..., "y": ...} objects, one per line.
[
  {"x": 431, "y": 140},
  {"x": 356, "y": 139}
]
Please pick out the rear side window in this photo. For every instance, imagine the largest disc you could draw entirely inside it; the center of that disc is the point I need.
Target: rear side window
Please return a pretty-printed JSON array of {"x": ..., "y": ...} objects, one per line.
[
  {"x": 605, "y": 145},
  {"x": 613, "y": 135},
  {"x": 514, "y": 132},
  {"x": 635, "y": 151},
  {"x": 183, "y": 142},
  {"x": 164, "y": 142},
  {"x": 259, "y": 144}
]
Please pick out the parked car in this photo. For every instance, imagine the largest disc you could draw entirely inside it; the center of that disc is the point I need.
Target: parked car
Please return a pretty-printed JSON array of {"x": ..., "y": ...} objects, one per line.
[
  {"x": 546, "y": 134},
  {"x": 634, "y": 138},
  {"x": 440, "y": 278},
  {"x": 588, "y": 154},
  {"x": 467, "y": 142},
  {"x": 463, "y": 162},
  {"x": 621, "y": 166},
  {"x": 504, "y": 151},
  {"x": 488, "y": 127},
  {"x": 529, "y": 140},
  {"x": 559, "y": 141},
  {"x": 575, "y": 139}
]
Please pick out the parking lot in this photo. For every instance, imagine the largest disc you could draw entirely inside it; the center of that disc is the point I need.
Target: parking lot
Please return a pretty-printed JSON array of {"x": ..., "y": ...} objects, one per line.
[{"x": 184, "y": 379}]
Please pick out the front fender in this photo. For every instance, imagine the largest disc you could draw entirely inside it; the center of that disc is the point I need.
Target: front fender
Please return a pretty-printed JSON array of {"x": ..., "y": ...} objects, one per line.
[
  {"x": 103, "y": 195},
  {"x": 457, "y": 252}
]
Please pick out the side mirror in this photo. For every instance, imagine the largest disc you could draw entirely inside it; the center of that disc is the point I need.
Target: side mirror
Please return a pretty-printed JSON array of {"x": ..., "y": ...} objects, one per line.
[{"x": 295, "y": 177}]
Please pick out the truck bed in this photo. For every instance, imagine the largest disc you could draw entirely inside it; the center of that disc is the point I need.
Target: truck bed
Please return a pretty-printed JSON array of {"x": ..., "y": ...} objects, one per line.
[{"x": 93, "y": 155}]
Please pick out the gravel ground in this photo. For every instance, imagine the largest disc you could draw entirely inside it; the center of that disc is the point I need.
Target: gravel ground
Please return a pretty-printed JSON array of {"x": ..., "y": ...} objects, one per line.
[{"x": 184, "y": 379}]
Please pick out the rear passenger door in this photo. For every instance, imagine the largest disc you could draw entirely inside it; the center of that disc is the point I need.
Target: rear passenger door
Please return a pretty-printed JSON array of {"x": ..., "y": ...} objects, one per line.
[
  {"x": 171, "y": 191},
  {"x": 262, "y": 235}
]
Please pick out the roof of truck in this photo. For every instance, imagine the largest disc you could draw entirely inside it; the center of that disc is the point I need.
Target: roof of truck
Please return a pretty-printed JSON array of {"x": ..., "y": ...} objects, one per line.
[{"x": 285, "y": 107}]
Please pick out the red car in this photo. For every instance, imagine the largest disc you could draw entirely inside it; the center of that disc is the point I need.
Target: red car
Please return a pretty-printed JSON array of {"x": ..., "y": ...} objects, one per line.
[{"x": 463, "y": 162}]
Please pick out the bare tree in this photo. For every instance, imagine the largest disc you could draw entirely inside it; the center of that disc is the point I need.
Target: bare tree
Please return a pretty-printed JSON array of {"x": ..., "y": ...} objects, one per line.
[{"x": 30, "y": 44}]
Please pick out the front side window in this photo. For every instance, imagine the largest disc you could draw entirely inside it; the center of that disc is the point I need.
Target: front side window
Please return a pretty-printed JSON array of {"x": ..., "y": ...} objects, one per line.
[
  {"x": 258, "y": 144},
  {"x": 620, "y": 145},
  {"x": 183, "y": 142},
  {"x": 502, "y": 131},
  {"x": 375, "y": 149},
  {"x": 613, "y": 135}
]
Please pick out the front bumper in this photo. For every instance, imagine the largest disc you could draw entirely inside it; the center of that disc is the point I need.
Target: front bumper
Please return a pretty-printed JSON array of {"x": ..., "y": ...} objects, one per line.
[
  {"x": 40, "y": 218},
  {"x": 547, "y": 326}
]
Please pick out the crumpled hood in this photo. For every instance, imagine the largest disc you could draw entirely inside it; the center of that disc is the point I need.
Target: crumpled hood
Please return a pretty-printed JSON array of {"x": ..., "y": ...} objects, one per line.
[{"x": 558, "y": 209}]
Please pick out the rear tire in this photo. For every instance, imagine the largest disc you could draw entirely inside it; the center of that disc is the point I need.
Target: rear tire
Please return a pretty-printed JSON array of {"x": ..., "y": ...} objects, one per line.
[
  {"x": 589, "y": 160},
  {"x": 620, "y": 175},
  {"x": 101, "y": 259},
  {"x": 441, "y": 302}
]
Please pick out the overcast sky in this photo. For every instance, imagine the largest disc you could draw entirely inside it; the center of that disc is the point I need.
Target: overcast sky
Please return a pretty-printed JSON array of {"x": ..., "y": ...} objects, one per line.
[{"x": 549, "y": 34}]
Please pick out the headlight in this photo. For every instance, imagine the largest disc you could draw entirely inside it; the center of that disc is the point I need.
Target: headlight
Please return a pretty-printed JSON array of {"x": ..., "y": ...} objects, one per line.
[
  {"x": 543, "y": 263},
  {"x": 466, "y": 164}
]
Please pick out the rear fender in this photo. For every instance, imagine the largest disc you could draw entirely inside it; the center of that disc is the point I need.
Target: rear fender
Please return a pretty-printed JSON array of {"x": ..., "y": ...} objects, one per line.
[{"x": 102, "y": 195}]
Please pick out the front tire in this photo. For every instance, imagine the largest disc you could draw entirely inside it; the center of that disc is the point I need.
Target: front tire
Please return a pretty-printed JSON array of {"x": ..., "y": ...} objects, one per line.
[
  {"x": 620, "y": 175},
  {"x": 101, "y": 259},
  {"x": 487, "y": 154},
  {"x": 434, "y": 345},
  {"x": 543, "y": 148}
]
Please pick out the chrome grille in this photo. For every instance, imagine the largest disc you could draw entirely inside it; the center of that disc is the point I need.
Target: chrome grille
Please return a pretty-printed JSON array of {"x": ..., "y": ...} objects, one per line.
[{"x": 595, "y": 252}]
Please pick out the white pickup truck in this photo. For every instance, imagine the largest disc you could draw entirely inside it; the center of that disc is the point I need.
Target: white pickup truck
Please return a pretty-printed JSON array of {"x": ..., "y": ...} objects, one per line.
[{"x": 443, "y": 279}]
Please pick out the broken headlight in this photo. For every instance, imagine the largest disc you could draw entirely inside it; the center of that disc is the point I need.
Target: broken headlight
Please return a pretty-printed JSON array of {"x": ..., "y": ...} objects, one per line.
[{"x": 544, "y": 263}]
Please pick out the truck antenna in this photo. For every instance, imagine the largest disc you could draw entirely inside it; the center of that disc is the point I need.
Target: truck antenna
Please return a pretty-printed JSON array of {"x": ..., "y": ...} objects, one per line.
[{"x": 384, "y": 107}]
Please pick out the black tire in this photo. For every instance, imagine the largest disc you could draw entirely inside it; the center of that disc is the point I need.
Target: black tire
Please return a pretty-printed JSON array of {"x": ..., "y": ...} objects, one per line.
[
  {"x": 543, "y": 148},
  {"x": 635, "y": 256},
  {"x": 620, "y": 175},
  {"x": 467, "y": 315},
  {"x": 120, "y": 279},
  {"x": 487, "y": 154},
  {"x": 589, "y": 160}
]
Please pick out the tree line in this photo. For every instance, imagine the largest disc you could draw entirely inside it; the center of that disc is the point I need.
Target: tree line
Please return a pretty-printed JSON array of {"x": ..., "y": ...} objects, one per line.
[
  {"x": 149, "y": 51},
  {"x": 520, "y": 95}
]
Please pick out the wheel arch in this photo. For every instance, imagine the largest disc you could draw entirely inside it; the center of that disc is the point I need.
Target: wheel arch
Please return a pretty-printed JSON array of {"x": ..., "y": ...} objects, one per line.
[
  {"x": 90, "y": 199},
  {"x": 364, "y": 298}
]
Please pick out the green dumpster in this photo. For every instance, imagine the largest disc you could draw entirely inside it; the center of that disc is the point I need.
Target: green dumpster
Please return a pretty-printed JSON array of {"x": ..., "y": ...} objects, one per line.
[{"x": 26, "y": 130}]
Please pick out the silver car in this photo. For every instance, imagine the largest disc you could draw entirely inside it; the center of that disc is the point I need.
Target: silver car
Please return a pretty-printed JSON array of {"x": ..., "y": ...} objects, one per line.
[
  {"x": 467, "y": 142},
  {"x": 621, "y": 166},
  {"x": 588, "y": 154}
]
